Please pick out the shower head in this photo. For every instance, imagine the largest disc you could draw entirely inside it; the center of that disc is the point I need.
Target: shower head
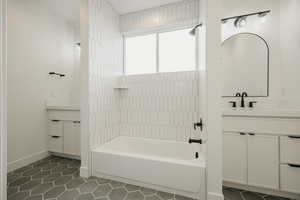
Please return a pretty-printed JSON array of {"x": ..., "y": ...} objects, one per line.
[{"x": 193, "y": 31}]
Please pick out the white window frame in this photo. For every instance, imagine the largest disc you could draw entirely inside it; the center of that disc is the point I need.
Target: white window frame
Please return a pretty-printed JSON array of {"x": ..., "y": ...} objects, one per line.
[{"x": 157, "y": 33}]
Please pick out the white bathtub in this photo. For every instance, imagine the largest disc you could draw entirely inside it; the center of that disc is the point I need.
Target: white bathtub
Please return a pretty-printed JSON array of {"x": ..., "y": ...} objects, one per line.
[{"x": 163, "y": 165}]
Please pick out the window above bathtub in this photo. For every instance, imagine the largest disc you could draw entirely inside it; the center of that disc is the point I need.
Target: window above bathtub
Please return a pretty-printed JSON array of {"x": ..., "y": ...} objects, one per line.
[{"x": 171, "y": 51}]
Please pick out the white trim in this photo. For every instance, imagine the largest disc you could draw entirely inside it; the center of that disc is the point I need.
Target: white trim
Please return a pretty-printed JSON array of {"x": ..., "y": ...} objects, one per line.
[
  {"x": 84, "y": 172},
  {"x": 214, "y": 196},
  {"x": 262, "y": 190},
  {"x": 11, "y": 166},
  {"x": 3, "y": 99}
]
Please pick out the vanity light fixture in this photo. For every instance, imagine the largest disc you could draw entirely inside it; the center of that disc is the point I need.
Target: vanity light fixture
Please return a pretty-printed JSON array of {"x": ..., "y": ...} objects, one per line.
[{"x": 240, "y": 22}]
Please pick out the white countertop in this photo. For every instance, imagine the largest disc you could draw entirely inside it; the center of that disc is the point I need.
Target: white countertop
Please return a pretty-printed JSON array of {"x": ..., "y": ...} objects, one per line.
[
  {"x": 262, "y": 113},
  {"x": 67, "y": 108}
]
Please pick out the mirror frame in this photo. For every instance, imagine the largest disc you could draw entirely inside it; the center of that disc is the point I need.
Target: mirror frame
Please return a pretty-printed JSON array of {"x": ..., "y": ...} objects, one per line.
[{"x": 268, "y": 61}]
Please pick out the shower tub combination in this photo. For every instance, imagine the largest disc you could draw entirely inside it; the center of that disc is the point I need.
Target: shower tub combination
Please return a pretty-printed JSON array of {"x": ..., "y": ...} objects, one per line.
[{"x": 162, "y": 165}]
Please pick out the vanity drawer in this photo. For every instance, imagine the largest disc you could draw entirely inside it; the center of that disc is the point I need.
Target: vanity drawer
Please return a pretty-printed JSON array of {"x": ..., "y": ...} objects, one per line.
[
  {"x": 55, "y": 128},
  {"x": 290, "y": 178},
  {"x": 55, "y": 144},
  {"x": 290, "y": 150}
]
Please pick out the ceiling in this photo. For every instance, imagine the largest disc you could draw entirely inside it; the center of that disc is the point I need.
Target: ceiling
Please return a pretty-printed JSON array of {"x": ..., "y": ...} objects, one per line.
[{"x": 127, "y": 6}]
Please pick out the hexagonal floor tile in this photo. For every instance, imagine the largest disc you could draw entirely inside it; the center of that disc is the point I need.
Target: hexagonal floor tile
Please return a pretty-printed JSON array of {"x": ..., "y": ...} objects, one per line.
[
  {"x": 116, "y": 184},
  {"x": 165, "y": 196},
  {"x": 69, "y": 195},
  {"x": 251, "y": 196},
  {"x": 102, "y": 190},
  {"x": 19, "y": 196},
  {"x": 30, "y": 185},
  {"x": 62, "y": 180},
  {"x": 148, "y": 191},
  {"x": 117, "y": 194},
  {"x": 54, "y": 192},
  {"x": 154, "y": 197},
  {"x": 135, "y": 196},
  {"x": 131, "y": 188},
  {"x": 41, "y": 188},
  {"x": 74, "y": 183},
  {"x": 20, "y": 181},
  {"x": 88, "y": 187},
  {"x": 87, "y": 196}
]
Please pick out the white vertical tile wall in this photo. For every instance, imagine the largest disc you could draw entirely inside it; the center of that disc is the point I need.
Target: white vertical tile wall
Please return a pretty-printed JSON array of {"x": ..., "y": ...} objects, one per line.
[
  {"x": 183, "y": 13},
  {"x": 105, "y": 66},
  {"x": 161, "y": 106}
]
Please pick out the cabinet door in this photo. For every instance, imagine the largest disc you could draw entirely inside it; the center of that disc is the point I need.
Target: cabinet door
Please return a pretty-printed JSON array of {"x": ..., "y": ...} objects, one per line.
[
  {"x": 235, "y": 157},
  {"x": 72, "y": 138},
  {"x": 263, "y": 161}
]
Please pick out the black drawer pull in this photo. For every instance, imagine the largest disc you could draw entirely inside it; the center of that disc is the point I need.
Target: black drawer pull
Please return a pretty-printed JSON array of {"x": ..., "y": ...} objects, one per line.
[
  {"x": 294, "y": 137},
  {"x": 241, "y": 133},
  {"x": 76, "y": 122},
  {"x": 55, "y": 120},
  {"x": 293, "y": 165},
  {"x": 252, "y": 134},
  {"x": 55, "y": 136}
]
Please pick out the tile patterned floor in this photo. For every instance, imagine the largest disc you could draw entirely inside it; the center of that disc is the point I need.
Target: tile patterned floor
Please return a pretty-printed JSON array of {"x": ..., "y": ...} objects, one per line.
[{"x": 56, "y": 178}]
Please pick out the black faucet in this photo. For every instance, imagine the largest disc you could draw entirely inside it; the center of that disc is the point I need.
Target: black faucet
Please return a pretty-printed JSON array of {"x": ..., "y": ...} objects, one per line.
[
  {"x": 238, "y": 94},
  {"x": 244, "y": 94},
  {"x": 195, "y": 141}
]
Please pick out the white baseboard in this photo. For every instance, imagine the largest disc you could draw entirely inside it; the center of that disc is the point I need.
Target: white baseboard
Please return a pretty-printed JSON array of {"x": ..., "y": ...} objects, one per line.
[
  {"x": 84, "y": 172},
  {"x": 214, "y": 196},
  {"x": 11, "y": 166},
  {"x": 262, "y": 190}
]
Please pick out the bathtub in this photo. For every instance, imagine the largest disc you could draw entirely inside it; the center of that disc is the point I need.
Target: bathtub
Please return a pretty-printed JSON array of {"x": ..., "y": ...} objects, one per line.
[{"x": 162, "y": 165}]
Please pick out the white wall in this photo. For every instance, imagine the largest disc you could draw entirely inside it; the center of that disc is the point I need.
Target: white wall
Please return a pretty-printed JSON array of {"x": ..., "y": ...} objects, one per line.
[
  {"x": 281, "y": 31},
  {"x": 101, "y": 65},
  {"x": 3, "y": 102},
  {"x": 38, "y": 42},
  {"x": 161, "y": 106},
  {"x": 290, "y": 48},
  {"x": 180, "y": 14}
]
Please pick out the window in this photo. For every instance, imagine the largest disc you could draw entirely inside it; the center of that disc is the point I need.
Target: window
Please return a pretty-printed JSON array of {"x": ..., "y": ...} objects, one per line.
[
  {"x": 140, "y": 54},
  {"x": 176, "y": 51}
]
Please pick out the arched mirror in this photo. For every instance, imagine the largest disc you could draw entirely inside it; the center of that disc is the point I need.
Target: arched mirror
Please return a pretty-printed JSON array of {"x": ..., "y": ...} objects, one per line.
[{"x": 245, "y": 62}]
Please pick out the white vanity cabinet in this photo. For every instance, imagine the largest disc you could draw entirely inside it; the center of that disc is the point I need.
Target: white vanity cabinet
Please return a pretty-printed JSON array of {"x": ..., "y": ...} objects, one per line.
[
  {"x": 262, "y": 152},
  {"x": 251, "y": 159},
  {"x": 64, "y": 131},
  {"x": 235, "y": 157}
]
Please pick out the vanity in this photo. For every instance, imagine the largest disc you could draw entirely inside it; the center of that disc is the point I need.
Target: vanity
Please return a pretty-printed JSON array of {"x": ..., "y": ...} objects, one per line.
[
  {"x": 64, "y": 131},
  {"x": 262, "y": 151}
]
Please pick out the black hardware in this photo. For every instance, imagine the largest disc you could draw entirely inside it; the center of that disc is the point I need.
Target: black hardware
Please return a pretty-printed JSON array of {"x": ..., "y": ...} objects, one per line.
[
  {"x": 241, "y": 133},
  {"x": 233, "y": 104},
  {"x": 246, "y": 15},
  {"x": 244, "y": 94},
  {"x": 251, "y": 104},
  {"x": 198, "y": 124},
  {"x": 293, "y": 165},
  {"x": 195, "y": 141},
  {"x": 55, "y": 136},
  {"x": 76, "y": 122},
  {"x": 57, "y": 74},
  {"x": 294, "y": 137},
  {"x": 55, "y": 120},
  {"x": 252, "y": 134},
  {"x": 196, "y": 155},
  {"x": 238, "y": 94}
]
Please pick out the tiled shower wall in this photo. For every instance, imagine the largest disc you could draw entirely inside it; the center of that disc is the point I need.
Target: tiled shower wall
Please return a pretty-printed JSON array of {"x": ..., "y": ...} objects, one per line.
[
  {"x": 105, "y": 49},
  {"x": 161, "y": 106}
]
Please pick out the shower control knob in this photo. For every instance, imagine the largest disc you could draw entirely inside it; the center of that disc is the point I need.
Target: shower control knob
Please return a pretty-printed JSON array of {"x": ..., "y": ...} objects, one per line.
[{"x": 199, "y": 124}]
